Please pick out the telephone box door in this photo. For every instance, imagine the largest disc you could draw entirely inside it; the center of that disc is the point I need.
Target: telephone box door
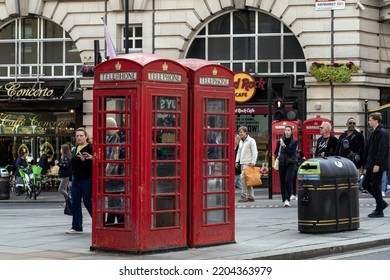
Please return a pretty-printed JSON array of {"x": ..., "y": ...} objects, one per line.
[
  {"x": 163, "y": 148},
  {"x": 165, "y": 198},
  {"x": 277, "y": 133},
  {"x": 114, "y": 193}
]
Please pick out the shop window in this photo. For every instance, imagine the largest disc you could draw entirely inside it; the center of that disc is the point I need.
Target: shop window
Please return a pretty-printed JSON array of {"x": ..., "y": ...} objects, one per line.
[
  {"x": 269, "y": 47},
  {"x": 288, "y": 67},
  {"x": 34, "y": 45},
  {"x": 197, "y": 49},
  {"x": 220, "y": 25},
  {"x": 216, "y": 50},
  {"x": 244, "y": 22},
  {"x": 51, "y": 53},
  {"x": 301, "y": 66},
  {"x": 242, "y": 48},
  {"x": 292, "y": 49},
  {"x": 268, "y": 24},
  {"x": 253, "y": 42},
  {"x": 275, "y": 67},
  {"x": 249, "y": 67}
]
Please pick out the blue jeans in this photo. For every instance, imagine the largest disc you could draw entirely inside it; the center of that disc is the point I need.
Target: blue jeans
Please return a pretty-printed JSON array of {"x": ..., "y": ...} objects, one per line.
[
  {"x": 81, "y": 189},
  {"x": 384, "y": 181},
  {"x": 237, "y": 181}
]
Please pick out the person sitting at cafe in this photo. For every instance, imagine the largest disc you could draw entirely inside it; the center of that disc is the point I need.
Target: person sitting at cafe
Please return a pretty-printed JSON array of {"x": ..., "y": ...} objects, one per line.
[{"x": 54, "y": 169}]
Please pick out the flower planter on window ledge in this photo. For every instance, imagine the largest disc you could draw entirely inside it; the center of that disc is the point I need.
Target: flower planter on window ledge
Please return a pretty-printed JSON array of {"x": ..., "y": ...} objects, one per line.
[
  {"x": 87, "y": 70},
  {"x": 337, "y": 72}
]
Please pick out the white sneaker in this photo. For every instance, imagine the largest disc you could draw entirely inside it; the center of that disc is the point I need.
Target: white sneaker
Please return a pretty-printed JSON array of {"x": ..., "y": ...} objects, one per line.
[
  {"x": 73, "y": 231},
  {"x": 383, "y": 194},
  {"x": 293, "y": 197},
  {"x": 286, "y": 203}
]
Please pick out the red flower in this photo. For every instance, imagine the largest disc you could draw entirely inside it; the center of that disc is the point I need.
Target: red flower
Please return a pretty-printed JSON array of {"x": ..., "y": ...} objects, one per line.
[{"x": 87, "y": 69}]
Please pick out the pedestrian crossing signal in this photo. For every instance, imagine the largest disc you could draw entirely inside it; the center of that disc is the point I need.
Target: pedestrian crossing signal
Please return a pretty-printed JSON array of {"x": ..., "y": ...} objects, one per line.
[{"x": 279, "y": 108}]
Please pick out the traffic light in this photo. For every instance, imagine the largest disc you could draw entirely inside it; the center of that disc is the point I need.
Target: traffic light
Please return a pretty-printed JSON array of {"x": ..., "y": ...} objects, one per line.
[{"x": 279, "y": 108}]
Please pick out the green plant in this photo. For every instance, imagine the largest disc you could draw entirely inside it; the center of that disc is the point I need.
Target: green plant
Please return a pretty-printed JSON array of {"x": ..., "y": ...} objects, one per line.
[{"x": 334, "y": 72}]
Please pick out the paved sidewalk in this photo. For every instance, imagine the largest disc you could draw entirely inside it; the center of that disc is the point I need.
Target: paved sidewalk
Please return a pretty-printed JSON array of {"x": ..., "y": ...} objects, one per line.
[{"x": 264, "y": 230}]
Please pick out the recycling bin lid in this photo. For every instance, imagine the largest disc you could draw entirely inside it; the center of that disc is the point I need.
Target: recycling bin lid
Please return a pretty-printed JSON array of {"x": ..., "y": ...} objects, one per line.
[
  {"x": 309, "y": 170},
  {"x": 326, "y": 168}
]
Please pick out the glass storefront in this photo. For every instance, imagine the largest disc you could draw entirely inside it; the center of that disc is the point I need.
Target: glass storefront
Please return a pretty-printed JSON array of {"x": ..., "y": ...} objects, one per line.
[
  {"x": 258, "y": 129},
  {"x": 35, "y": 133}
]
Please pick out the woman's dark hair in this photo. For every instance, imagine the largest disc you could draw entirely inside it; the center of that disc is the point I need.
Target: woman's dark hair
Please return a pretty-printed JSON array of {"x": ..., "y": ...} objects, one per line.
[{"x": 289, "y": 127}]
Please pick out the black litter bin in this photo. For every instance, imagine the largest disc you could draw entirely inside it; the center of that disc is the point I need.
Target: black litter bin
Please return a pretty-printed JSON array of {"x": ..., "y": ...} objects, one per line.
[
  {"x": 4, "y": 184},
  {"x": 328, "y": 195}
]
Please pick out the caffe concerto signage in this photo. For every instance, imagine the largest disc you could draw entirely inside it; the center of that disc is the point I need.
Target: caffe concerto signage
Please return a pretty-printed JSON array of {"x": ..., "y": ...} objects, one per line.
[
  {"x": 19, "y": 123},
  {"x": 16, "y": 90},
  {"x": 245, "y": 86}
]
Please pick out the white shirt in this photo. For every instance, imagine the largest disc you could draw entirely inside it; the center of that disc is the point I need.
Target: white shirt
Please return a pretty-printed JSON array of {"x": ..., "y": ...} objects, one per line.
[{"x": 247, "y": 151}]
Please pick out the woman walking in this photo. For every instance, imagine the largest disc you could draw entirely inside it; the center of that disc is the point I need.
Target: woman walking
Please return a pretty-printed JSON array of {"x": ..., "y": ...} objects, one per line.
[
  {"x": 65, "y": 170},
  {"x": 286, "y": 151},
  {"x": 81, "y": 162}
]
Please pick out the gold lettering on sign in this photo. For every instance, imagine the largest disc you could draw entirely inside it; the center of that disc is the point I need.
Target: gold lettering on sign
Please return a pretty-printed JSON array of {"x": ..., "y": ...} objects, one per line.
[
  {"x": 34, "y": 119},
  {"x": 14, "y": 121},
  {"x": 8, "y": 120},
  {"x": 14, "y": 90}
]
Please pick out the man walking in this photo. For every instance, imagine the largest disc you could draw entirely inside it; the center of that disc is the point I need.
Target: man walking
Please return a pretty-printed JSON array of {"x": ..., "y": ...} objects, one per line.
[
  {"x": 326, "y": 144},
  {"x": 376, "y": 161},
  {"x": 246, "y": 157},
  {"x": 351, "y": 144}
]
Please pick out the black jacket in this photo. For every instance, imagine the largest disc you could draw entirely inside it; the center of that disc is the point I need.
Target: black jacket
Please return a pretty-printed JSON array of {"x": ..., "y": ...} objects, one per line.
[
  {"x": 377, "y": 150},
  {"x": 354, "y": 143},
  {"x": 287, "y": 154},
  {"x": 82, "y": 169},
  {"x": 327, "y": 146},
  {"x": 65, "y": 167}
]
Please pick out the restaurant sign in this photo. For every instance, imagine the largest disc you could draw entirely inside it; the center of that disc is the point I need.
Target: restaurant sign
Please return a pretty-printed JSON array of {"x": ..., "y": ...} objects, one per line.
[
  {"x": 18, "y": 123},
  {"x": 15, "y": 90},
  {"x": 245, "y": 86}
]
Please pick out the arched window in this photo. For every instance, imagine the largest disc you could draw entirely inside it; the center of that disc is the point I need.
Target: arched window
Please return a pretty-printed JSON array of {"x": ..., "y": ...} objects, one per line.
[
  {"x": 36, "y": 47},
  {"x": 252, "y": 42}
]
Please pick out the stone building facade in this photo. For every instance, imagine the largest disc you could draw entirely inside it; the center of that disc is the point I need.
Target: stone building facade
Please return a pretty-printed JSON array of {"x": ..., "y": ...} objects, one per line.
[{"x": 170, "y": 28}]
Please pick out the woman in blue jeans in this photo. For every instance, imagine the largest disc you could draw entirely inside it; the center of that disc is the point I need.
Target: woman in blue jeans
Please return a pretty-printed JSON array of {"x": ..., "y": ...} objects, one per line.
[{"x": 81, "y": 162}]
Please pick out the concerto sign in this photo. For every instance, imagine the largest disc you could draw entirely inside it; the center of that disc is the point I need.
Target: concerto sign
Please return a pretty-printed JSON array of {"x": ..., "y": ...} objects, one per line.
[{"x": 245, "y": 86}]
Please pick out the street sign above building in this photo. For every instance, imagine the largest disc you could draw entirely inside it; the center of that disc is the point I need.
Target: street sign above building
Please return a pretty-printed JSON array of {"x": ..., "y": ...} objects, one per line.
[{"x": 325, "y": 5}]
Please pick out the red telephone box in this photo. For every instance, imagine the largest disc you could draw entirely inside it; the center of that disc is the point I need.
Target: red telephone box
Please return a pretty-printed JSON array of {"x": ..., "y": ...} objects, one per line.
[
  {"x": 310, "y": 135},
  {"x": 278, "y": 132},
  {"x": 211, "y": 170},
  {"x": 140, "y": 180}
]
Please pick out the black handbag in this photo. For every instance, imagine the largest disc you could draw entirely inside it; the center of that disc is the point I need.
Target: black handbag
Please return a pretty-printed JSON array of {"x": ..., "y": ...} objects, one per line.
[{"x": 68, "y": 206}]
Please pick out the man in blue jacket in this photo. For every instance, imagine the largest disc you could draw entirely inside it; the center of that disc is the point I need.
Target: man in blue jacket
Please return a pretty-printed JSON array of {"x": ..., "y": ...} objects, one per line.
[{"x": 376, "y": 161}]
